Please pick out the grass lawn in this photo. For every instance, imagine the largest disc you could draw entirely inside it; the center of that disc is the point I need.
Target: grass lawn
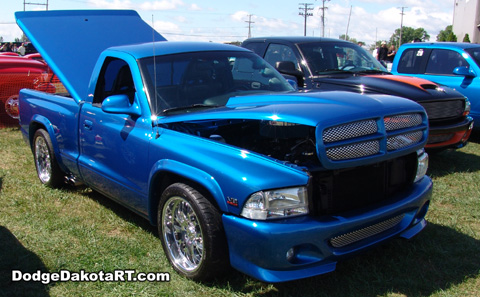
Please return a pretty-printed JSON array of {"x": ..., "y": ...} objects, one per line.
[{"x": 74, "y": 229}]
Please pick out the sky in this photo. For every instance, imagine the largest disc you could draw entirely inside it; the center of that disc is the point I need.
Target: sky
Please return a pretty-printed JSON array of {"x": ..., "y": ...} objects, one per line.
[{"x": 228, "y": 20}]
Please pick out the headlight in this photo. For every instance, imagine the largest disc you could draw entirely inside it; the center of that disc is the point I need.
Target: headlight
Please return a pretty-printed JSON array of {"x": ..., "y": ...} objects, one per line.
[
  {"x": 422, "y": 165},
  {"x": 278, "y": 203},
  {"x": 468, "y": 107}
]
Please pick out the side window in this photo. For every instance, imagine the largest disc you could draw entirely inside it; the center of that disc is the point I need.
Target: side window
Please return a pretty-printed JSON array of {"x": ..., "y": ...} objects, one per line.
[
  {"x": 278, "y": 52},
  {"x": 256, "y": 47},
  {"x": 444, "y": 61},
  {"x": 115, "y": 79},
  {"x": 412, "y": 61}
]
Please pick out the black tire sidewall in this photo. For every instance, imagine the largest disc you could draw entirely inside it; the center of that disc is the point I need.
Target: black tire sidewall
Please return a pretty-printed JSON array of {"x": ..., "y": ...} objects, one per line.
[
  {"x": 214, "y": 258},
  {"x": 56, "y": 178}
]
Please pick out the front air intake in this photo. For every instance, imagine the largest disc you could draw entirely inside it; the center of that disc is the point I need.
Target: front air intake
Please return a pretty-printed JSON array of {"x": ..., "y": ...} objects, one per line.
[{"x": 358, "y": 235}]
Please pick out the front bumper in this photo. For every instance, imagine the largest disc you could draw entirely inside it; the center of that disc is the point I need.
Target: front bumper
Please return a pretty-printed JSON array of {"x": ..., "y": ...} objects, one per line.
[
  {"x": 452, "y": 136},
  {"x": 259, "y": 248}
]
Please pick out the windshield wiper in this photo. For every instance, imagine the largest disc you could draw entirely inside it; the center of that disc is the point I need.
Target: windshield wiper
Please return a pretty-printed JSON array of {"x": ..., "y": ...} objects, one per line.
[
  {"x": 187, "y": 108},
  {"x": 369, "y": 71},
  {"x": 332, "y": 71}
]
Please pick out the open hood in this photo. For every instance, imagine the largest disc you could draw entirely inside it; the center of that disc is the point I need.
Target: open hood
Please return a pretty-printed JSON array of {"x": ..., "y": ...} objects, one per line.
[{"x": 71, "y": 41}]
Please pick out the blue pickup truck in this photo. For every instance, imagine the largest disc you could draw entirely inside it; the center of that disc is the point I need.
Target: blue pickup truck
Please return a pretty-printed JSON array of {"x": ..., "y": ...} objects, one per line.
[{"x": 211, "y": 144}]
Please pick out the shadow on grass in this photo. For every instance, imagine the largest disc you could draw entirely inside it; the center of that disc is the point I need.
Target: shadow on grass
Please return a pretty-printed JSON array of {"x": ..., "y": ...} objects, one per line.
[
  {"x": 14, "y": 256},
  {"x": 120, "y": 210},
  {"x": 452, "y": 161},
  {"x": 437, "y": 259}
]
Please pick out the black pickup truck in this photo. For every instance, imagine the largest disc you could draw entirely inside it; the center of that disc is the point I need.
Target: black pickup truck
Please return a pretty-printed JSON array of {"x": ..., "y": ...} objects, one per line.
[{"x": 326, "y": 64}]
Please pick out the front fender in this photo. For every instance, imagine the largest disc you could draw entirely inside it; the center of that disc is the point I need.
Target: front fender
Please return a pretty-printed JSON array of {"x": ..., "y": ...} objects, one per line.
[{"x": 191, "y": 173}]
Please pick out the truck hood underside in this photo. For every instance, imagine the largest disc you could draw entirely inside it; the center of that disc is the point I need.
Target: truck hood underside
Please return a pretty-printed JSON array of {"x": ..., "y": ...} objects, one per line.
[{"x": 71, "y": 41}]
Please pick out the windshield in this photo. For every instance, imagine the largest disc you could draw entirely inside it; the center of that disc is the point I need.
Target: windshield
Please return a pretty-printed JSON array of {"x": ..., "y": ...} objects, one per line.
[
  {"x": 191, "y": 81},
  {"x": 337, "y": 57},
  {"x": 474, "y": 52}
]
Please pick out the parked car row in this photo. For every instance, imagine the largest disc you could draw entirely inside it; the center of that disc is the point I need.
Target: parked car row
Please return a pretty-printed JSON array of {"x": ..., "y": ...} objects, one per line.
[
  {"x": 326, "y": 64},
  {"x": 213, "y": 146}
]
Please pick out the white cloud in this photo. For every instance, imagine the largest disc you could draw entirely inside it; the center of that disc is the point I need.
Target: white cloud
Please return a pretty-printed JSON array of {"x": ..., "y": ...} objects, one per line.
[
  {"x": 240, "y": 16},
  {"x": 115, "y": 4},
  {"x": 9, "y": 32},
  {"x": 161, "y": 26},
  {"x": 195, "y": 7},
  {"x": 161, "y": 5}
]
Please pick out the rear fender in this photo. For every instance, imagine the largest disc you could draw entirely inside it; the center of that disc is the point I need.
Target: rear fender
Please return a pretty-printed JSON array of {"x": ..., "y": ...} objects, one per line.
[{"x": 40, "y": 122}]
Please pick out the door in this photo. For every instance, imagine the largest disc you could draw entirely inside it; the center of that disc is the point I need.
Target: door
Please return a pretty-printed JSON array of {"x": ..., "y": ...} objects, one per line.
[{"x": 114, "y": 147}]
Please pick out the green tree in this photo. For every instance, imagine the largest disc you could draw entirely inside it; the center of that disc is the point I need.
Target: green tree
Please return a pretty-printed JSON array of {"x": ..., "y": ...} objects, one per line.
[
  {"x": 451, "y": 37},
  {"x": 409, "y": 34},
  {"x": 466, "y": 38},
  {"x": 443, "y": 35}
]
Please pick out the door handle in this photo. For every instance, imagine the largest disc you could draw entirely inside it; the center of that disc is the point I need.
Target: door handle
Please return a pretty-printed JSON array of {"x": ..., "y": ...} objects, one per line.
[{"x": 87, "y": 125}]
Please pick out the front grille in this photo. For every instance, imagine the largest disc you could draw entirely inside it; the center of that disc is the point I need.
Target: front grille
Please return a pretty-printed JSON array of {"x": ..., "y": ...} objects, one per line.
[
  {"x": 357, "y": 235},
  {"x": 444, "y": 109},
  {"x": 364, "y": 138},
  {"x": 350, "y": 130},
  {"x": 340, "y": 190},
  {"x": 402, "y": 121},
  {"x": 403, "y": 140},
  {"x": 357, "y": 150}
]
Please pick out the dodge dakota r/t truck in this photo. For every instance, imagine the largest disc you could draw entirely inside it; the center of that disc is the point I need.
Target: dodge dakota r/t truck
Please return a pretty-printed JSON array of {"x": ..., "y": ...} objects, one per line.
[{"x": 211, "y": 144}]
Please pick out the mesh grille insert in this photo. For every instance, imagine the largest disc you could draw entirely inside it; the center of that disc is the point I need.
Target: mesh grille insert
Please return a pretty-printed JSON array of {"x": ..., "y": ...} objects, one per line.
[
  {"x": 403, "y": 140},
  {"x": 402, "y": 121},
  {"x": 350, "y": 130},
  {"x": 352, "y": 237},
  {"x": 354, "y": 150}
]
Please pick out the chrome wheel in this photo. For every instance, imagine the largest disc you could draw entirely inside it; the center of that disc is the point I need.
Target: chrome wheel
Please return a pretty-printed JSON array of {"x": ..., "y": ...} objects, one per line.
[
  {"x": 182, "y": 234},
  {"x": 43, "y": 160},
  {"x": 48, "y": 170}
]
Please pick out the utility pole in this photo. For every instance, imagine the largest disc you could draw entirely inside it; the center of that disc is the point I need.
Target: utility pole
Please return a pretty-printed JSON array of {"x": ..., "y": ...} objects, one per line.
[
  {"x": 305, "y": 13},
  {"x": 401, "y": 27},
  {"x": 348, "y": 23},
  {"x": 249, "y": 25},
  {"x": 323, "y": 8},
  {"x": 31, "y": 3}
]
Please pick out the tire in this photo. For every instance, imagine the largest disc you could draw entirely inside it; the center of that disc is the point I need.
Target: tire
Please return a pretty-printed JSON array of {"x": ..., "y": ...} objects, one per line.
[
  {"x": 191, "y": 232},
  {"x": 46, "y": 164}
]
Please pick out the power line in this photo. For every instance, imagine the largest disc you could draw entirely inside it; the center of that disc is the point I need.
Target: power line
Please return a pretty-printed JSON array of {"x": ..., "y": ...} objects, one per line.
[
  {"x": 249, "y": 25},
  {"x": 35, "y": 3},
  {"x": 401, "y": 26},
  {"x": 305, "y": 13},
  {"x": 323, "y": 8}
]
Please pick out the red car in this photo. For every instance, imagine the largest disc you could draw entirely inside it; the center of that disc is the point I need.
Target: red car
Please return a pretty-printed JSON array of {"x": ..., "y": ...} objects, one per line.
[{"x": 17, "y": 73}]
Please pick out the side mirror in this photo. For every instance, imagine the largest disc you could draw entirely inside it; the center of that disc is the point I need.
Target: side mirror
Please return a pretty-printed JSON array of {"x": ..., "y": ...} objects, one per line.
[
  {"x": 288, "y": 68},
  {"x": 464, "y": 71},
  {"x": 120, "y": 104}
]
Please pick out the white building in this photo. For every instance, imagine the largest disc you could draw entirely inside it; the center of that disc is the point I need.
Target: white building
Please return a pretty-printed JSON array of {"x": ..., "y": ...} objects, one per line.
[{"x": 466, "y": 20}]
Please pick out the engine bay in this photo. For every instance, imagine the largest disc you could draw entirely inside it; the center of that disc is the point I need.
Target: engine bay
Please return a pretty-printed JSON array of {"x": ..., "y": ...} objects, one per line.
[{"x": 289, "y": 142}]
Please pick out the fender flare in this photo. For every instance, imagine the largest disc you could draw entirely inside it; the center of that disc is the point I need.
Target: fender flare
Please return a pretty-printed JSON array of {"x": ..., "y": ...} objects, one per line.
[
  {"x": 39, "y": 120},
  {"x": 194, "y": 174}
]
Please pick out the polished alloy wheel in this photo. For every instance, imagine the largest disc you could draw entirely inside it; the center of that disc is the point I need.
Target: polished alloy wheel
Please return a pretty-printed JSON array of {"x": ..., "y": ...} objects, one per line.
[
  {"x": 182, "y": 234},
  {"x": 42, "y": 160}
]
